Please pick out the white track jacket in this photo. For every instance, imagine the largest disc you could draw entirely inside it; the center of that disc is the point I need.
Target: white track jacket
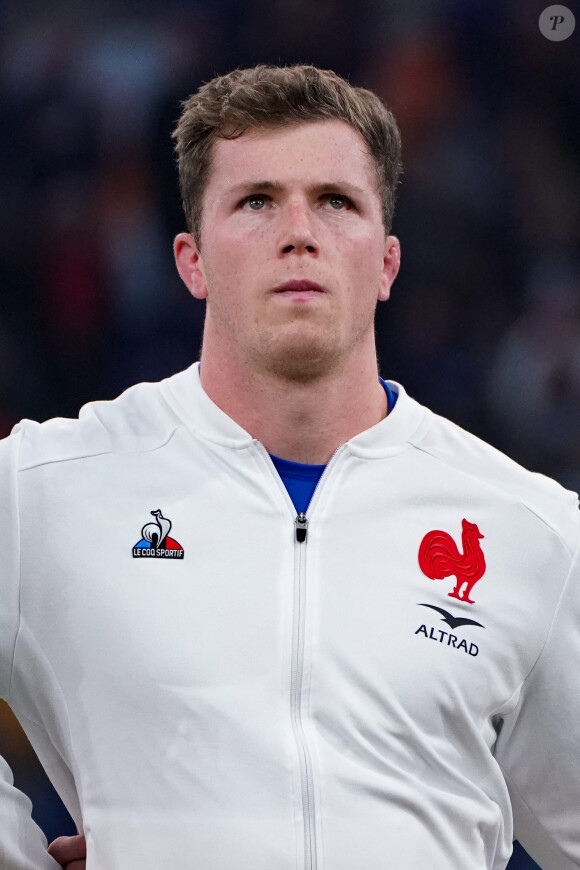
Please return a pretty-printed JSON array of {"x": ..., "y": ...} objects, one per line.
[{"x": 212, "y": 683}]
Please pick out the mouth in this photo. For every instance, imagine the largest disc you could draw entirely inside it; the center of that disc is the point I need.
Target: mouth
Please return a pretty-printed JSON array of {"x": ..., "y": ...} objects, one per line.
[{"x": 300, "y": 289}]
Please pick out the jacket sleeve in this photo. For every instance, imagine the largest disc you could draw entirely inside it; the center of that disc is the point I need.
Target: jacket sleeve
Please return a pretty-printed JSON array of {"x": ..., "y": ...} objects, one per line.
[
  {"x": 538, "y": 747},
  {"x": 22, "y": 843}
]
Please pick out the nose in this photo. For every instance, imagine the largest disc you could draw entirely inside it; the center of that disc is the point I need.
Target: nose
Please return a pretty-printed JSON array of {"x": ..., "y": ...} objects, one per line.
[{"x": 296, "y": 231}]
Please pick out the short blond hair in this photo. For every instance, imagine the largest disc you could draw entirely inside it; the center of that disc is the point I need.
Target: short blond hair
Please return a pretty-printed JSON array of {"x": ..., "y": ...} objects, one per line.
[{"x": 264, "y": 97}]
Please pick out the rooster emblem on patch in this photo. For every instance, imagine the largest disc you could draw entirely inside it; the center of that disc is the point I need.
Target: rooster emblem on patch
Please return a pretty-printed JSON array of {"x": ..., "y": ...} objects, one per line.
[{"x": 439, "y": 558}]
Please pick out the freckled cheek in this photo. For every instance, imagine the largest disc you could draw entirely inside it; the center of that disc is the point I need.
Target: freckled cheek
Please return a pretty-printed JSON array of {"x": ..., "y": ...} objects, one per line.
[
  {"x": 234, "y": 254},
  {"x": 359, "y": 260},
  {"x": 239, "y": 273}
]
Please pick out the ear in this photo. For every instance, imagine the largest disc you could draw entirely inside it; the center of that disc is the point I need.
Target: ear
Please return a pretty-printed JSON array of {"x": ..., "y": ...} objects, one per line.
[
  {"x": 189, "y": 265},
  {"x": 391, "y": 265}
]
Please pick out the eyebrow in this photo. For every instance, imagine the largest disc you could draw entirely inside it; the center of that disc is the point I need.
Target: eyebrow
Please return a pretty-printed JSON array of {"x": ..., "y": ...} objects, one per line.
[{"x": 319, "y": 188}]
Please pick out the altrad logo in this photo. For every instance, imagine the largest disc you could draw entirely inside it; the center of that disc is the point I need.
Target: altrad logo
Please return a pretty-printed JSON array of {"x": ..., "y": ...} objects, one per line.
[
  {"x": 447, "y": 637},
  {"x": 155, "y": 541}
]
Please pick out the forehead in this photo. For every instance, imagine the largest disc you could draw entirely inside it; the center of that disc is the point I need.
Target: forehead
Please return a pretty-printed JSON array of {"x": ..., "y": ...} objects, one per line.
[{"x": 307, "y": 152}]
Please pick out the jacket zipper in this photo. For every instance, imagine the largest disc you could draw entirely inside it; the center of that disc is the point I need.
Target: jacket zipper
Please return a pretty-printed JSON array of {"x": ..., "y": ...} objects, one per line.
[
  {"x": 301, "y": 521},
  {"x": 301, "y": 531},
  {"x": 295, "y": 693}
]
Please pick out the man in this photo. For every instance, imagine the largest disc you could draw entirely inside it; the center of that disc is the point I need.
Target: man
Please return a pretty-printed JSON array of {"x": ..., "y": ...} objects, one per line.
[{"x": 307, "y": 623}]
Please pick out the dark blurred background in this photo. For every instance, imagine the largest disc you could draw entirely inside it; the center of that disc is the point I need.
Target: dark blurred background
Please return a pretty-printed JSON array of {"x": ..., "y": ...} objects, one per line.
[{"x": 484, "y": 321}]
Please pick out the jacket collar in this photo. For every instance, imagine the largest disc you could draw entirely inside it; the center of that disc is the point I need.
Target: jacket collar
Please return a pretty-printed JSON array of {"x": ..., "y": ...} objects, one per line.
[{"x": 192, "y": 404}]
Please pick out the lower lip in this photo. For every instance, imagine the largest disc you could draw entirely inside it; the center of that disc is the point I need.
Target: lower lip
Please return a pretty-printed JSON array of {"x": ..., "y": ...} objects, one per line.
[{"x": 299, "y": 294}]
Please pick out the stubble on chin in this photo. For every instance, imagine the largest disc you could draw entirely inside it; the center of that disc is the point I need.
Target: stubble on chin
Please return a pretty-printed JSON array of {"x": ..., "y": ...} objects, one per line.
[{"x": 303, "y": 361}]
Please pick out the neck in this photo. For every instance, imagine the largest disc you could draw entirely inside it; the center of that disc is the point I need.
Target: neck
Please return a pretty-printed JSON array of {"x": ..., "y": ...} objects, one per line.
[{"x": 301, "y": 422}]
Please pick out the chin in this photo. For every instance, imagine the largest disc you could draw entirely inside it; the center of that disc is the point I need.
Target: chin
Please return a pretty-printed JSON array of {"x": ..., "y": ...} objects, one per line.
[{"x": 300, "y": 365}]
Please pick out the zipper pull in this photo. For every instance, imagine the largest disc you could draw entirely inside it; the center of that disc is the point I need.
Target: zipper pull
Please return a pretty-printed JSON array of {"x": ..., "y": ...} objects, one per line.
[{"x": 301, "y": 526}]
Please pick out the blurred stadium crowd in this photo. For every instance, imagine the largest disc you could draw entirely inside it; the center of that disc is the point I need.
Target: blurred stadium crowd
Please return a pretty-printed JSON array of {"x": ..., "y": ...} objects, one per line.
[{"x": 484, "y": 323}]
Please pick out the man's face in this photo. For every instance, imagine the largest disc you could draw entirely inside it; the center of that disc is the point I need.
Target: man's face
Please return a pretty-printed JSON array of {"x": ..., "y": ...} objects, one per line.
[{"x": 298, "y": 202}]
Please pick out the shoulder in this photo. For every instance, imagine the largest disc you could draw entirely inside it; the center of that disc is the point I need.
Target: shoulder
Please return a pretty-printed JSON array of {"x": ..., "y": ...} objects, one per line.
[
  {"x": 486, "y": 467},
  {"x": 139, "y": 420}
]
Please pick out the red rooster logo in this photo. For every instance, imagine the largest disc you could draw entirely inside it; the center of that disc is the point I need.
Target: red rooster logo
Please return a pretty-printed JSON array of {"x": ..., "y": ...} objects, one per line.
[{"x": 439, "y": 558}]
